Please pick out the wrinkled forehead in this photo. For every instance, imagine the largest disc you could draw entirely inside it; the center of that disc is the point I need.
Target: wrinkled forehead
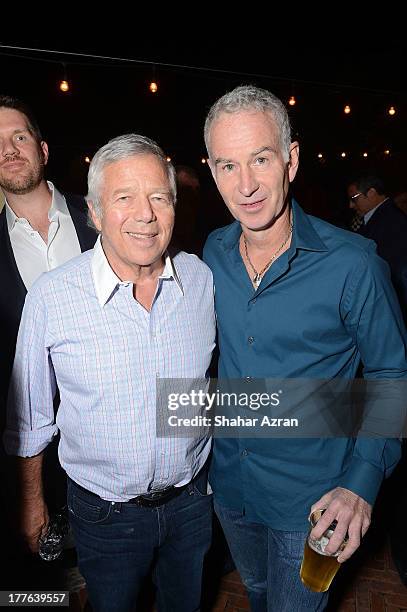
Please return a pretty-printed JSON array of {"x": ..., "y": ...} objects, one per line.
[{"x": 243, "y": 129}]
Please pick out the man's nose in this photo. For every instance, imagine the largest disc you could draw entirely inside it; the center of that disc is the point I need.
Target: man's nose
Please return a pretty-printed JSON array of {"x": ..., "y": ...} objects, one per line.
[
  {"x": 143, "y": 211},
  {"x": 9, "y": 148},
  {"x": 248, "y": 182}
]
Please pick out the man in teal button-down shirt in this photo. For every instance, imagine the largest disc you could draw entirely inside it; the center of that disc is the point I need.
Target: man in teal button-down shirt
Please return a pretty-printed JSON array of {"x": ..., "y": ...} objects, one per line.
[{"x": 296, "y": 298}]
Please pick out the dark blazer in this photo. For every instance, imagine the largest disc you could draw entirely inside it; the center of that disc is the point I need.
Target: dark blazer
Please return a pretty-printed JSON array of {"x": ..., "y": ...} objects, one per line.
[
  {"x": 13, "y": 291},
  {"x": 388, "y": 228}
]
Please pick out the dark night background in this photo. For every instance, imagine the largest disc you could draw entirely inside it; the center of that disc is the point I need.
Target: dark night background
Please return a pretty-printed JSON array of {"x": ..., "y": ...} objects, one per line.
[{"x": 324, "y": 72}]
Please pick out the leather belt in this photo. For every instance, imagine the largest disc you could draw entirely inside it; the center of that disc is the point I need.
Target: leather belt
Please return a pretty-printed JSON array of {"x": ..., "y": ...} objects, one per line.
[{"x": 156, "y": 498}]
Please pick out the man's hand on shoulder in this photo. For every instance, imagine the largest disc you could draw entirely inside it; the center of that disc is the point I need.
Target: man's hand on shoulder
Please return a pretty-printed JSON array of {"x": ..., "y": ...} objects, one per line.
[{"x": 353, "y": 515}]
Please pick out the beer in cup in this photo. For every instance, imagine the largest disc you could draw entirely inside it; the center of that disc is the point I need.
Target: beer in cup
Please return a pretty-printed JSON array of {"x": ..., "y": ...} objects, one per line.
[{"x": 318, "y": 568}]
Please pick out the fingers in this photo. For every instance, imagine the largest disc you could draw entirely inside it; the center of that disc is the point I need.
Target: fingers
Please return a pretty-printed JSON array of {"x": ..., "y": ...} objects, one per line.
[
  {"x": 352, "y": 514},
  {"x": 354, "y": 531}
]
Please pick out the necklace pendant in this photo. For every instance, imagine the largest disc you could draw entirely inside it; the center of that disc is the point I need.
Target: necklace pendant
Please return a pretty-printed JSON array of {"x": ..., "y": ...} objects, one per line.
[{"x": 256, "y": 280}]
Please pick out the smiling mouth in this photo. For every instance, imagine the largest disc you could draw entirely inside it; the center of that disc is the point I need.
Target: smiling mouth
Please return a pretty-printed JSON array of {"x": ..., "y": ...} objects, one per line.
[{"x": 142, "y": 236}]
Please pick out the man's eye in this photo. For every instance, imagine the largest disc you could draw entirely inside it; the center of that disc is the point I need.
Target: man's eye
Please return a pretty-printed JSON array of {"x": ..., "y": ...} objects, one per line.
[
  {"x": 228, "y": 167},
  {"x": 260, "y": 161},
  {"x": 159, "y": 199},
  {"x": 21, "y": 138}
]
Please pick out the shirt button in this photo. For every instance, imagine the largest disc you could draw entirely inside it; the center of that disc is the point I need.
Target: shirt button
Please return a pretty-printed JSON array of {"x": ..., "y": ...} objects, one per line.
[
  {"x": 244, "y": 453},
  {"x": 249, "y": 379},
  {"x": 250, "y": 339}
]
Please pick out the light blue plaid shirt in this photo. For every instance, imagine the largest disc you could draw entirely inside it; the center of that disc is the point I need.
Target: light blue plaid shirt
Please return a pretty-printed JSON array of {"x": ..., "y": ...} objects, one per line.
[{"x": 83, "y": 330}]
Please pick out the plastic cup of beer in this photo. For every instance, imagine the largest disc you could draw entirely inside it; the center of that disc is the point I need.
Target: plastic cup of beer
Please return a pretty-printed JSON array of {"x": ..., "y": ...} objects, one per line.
[{"x": 318, "y": 568}]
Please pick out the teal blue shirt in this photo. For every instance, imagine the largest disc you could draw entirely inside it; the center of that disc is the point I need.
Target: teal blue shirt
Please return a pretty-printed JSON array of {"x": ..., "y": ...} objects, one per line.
[{"x": 323, "y": 306}]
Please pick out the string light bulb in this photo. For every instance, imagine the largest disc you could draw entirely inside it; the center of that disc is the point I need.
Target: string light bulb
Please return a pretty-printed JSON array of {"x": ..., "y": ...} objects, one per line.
[
  {"x": 387, "y": 152},
  {"x": 168, "y": 159},
  {"x": 343, "y": 154},
  {"x": 153, "y": 87},
  {"x": 392, "y": 111},
  {"x": 64, "y": 83},
  {"x": 203, "y": 160},
  {"x": 87, "y": 159},
  {"x": 346, "y": 109},
  {"x": 365, "y": 154},
  {"x": 292, "y": 101}
]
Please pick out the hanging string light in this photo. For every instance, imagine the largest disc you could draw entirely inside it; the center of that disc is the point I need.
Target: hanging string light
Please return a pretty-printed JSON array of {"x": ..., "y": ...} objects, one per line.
[
  {"x": 392, "y": 111},
  {"x": 346, "y": 109},
  {"x": 64, "y": 83},
  {"x": 153, "y": 87},
  {"x": 292, "y": 101}
]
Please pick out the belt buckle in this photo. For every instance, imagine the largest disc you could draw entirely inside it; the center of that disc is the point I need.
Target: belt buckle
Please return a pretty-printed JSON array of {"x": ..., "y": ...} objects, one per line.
[{"x": 157, "y": 498}]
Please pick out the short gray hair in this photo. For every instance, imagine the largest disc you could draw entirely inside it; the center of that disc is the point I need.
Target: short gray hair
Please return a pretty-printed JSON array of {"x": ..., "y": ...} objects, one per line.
[
  {"x": 250, "y": 98},
  {"x": 119, "y": 148}
]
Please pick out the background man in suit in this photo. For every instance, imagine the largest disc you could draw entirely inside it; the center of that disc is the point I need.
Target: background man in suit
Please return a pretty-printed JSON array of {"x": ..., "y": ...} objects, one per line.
[
  {"x": 386, "y": 224},
  {"x": 40, "y": 229}
]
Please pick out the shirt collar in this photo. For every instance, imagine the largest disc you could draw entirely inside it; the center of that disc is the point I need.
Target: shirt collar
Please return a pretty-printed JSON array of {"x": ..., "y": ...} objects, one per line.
[
  {"x": 304, "y": 234},
  {"x": 58, "y": 206},
  {"x": 371, "y": 212},
  {"x": 106, "y": 281}
]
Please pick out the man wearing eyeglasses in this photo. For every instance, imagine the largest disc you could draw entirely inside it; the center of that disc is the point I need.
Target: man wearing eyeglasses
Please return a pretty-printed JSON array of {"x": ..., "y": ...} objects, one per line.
[{"x": 386, "y": 224}]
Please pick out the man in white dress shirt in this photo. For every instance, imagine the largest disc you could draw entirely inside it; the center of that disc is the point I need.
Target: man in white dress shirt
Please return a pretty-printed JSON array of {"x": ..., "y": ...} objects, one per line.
[{"x": 106, "y": 327}]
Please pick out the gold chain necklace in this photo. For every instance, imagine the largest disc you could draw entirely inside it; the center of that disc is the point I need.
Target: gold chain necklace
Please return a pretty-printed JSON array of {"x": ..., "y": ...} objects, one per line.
[{"x": 259, "y": 275}]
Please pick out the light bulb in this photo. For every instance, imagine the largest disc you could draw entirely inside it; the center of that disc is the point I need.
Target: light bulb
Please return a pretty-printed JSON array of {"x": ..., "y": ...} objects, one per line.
[
  {"x": 153, "y": 87},
  {"x": 343, "y": 154},
  {"x": 64, "y": 86},
  {"x": 346, "y": 110},
  {"x": 292, "y": 101},
  {"x": 392, "y": 110}
]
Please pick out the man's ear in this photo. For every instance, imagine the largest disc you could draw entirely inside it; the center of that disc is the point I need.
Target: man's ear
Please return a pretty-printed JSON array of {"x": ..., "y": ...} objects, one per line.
[
  {"x": 94, "y": 216},
  {"x": 45, "y": 153},
  {"x": 294, "y": 160}
]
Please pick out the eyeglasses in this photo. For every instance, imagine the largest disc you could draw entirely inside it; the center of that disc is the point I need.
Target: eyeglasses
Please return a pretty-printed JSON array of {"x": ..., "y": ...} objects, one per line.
[{"x": 355, "y": 197}]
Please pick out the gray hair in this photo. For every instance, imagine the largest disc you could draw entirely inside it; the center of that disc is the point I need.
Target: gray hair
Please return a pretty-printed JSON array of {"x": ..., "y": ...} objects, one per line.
[
  {"x": 119, "y": 148},
  {"x": 248, "y": 97}
]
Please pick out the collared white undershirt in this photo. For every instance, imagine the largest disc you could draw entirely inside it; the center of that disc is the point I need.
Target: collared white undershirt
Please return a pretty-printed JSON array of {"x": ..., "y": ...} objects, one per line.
[{"x": 33, "y": 256}]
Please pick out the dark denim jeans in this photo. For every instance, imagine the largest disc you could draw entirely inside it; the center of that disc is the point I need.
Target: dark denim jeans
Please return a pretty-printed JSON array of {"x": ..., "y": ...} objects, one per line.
[
  {"x": 269, "y": 562},
  {"x": 119, "y": 543}
]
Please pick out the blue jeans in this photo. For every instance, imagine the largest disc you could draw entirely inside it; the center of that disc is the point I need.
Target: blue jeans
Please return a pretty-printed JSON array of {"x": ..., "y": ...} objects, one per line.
[
  {"x": 119, "y": 543},
  {"x": 269, "y": 562}
]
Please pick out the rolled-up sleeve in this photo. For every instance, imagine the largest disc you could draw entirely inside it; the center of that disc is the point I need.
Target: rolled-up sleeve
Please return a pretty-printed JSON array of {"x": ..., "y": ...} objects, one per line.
[{"x": 30, "y": 410}]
